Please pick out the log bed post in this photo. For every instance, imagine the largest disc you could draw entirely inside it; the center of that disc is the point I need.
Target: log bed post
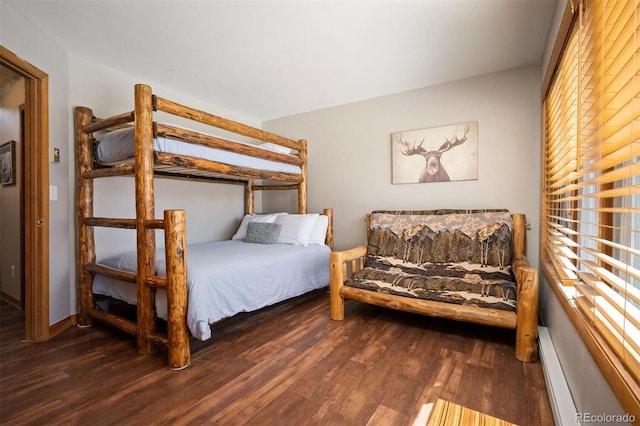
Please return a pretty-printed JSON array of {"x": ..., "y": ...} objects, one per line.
[
  {"x": 302, "y": 186},
  {"x": 329, "y": 238},
  {"x": 84, "y": 208},
  {"x": 176, "y": 261},
  {"x": 249, "y": 197},
  {"x": 145, "y": 211}
]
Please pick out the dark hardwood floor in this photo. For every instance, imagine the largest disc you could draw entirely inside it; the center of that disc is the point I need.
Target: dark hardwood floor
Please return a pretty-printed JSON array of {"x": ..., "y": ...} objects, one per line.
[{"x": 284, "y": 365}]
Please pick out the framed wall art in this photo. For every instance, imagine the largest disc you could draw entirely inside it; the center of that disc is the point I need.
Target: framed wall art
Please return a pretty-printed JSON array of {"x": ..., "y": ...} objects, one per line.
[
  {"x": 437, "y": 154},
  {"x": 8, "y": 163}
]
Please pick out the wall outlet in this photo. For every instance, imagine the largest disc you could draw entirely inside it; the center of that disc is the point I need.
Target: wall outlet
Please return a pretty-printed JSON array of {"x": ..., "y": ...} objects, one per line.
[{"x": 55, "y": 155}]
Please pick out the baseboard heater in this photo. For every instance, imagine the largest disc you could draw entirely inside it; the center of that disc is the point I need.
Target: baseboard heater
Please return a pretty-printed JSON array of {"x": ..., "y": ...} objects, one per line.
[{"x": 562, "y": 405}]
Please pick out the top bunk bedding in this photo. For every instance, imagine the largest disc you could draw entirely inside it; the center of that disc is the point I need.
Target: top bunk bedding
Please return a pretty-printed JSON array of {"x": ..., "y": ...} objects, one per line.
[{"x": 118, "y": 148}]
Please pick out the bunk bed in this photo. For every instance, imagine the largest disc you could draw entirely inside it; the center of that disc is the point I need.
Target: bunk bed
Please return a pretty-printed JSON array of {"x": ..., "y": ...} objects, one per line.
[{"x": 155, "y": 279}]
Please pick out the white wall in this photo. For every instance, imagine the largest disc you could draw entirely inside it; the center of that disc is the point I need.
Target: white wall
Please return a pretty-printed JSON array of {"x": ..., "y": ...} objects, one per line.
[
  {"x": 11, "y": 97},
  {"x": 23, "y": 39},
  {"x": 589, "y": 389},
  {"x": 350, "y": 152},
  {"x": 213, "y": 210}
]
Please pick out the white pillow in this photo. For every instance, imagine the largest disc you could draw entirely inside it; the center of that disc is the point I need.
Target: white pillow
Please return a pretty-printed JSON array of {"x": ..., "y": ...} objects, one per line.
[
  {"x": 278, "y": 148},
  {"x": 296, "y": 228},
  {"x": 241, "y": 233},
  {"x": 319, "y": 233}
]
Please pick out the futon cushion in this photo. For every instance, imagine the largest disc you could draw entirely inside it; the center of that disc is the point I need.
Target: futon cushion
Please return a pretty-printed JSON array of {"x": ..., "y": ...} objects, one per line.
[
  {"x": 456, "y": 256},
  {"x": 480, "y": 237},
  {"x": 460, "y": 283}
]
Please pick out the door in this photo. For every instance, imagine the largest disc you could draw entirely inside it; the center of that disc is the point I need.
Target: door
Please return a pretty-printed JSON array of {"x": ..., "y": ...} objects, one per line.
[{"x": 35, "y": 212}]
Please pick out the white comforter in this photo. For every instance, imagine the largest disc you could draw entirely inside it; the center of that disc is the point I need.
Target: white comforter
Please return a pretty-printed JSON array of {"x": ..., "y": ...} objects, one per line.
[{"x": 228, "y": 277}]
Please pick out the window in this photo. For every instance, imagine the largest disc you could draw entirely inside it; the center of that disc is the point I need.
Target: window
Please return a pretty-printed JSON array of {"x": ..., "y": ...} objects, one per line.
[{"x": 591, "y": 188}]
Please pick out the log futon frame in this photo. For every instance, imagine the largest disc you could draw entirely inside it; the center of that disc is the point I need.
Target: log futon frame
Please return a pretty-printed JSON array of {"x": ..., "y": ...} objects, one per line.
[
  {"x": 149, "y": 163},
  {"x": 344, "y": 264}
]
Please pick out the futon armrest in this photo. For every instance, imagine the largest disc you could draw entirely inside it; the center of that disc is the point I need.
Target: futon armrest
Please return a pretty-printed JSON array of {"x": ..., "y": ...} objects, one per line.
[
  {"x": 527, "y": 310},
  {"x": 342, "y": 265}
]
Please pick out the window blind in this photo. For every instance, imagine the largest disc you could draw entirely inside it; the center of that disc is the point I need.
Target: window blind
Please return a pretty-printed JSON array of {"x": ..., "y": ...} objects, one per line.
[{"x": 592, "y": 173}]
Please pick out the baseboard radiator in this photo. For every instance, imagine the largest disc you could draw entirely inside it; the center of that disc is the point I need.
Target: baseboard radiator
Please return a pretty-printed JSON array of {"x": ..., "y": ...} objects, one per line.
[{"x": 562, "y": 405}]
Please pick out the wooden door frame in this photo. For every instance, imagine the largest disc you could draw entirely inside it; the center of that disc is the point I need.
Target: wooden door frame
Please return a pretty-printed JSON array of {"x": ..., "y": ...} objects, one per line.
[{"x": 36, "y": 200}]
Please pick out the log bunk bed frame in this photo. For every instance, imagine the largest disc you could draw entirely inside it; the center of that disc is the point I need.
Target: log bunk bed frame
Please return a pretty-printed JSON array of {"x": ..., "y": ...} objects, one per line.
[{"x": 147, "y": 164}]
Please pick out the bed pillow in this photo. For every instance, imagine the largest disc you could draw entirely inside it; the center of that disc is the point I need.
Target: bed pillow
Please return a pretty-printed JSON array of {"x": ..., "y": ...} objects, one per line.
[
  {"x": 241, "y": 233},
  {"x": 319, "y": 233},
  {"x": 296, "y": 228},
  {"x": 278, "y": 148},
  {"x": 263, "y": 232}
]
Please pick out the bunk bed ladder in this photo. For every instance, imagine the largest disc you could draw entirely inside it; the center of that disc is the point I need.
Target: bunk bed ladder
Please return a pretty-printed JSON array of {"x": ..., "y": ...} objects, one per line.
[{"x": 173, "y": 224}]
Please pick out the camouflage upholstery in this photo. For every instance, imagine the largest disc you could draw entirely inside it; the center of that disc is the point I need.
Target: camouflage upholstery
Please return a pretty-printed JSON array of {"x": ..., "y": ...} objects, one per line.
[{"x": 456, "y": 256}]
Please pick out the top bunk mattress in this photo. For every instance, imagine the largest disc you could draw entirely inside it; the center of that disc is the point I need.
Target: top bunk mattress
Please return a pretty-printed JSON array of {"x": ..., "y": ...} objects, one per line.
[{"x": 118, "y": 147}]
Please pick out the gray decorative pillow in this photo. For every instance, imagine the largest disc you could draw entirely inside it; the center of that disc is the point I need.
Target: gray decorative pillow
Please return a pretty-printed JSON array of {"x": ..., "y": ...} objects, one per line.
[{"x": 263, "y": 233}]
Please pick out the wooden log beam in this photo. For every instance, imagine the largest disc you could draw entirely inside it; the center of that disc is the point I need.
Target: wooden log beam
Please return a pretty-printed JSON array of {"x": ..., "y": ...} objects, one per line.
[
  {"x": 302, "y": 186},
  {"x": 473, "y": 314},
  {"x": 176, "y": 261},
  {"x": 275, "y": 187},
  {"x": 109, "y": 222},
  {"x": 108, "y": 271},
  {"x": 110, "y": 171},
  {"x": 154, "y": 224},
  {"x": 145, "y": 211},
  {"x": 157, "y": 282},
  {"x": 174, "y": 108},
  {"x": 120, "y": 323},
  {"x": 106, "y": 123},
  {"x": 338, "y": 274},
  {"x": 224, "y": 144},
  {"x": 159, "y": 339},
  {"x": 519, "y": 234},
  {"x": 249, "y": 197},
  {"x": 329, "y": 239},
  {"x": 184, "y": 161},
  {"x": 86, "y": 250},
  {"x": 527, "y": 326}
]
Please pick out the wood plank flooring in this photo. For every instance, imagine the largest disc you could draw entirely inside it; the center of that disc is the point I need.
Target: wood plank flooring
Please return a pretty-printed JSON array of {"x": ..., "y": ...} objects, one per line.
[{"x": 284, "y": 365}]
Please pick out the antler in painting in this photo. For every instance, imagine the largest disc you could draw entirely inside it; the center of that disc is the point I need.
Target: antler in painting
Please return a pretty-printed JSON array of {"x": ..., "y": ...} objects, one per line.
[{"x": 433, "y": 170}]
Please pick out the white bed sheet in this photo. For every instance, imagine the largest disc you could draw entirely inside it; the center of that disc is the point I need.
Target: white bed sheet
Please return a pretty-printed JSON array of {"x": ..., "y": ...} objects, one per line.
[
  {"x": 228, "y": 277},
  {"x": 119, "y": 145}
]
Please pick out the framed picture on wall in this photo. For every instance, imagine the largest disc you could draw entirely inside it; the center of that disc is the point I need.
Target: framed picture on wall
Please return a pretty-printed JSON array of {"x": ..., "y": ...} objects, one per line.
[
  {"x": 437, "y": 154},
  {"x": 8, "y": 163}
]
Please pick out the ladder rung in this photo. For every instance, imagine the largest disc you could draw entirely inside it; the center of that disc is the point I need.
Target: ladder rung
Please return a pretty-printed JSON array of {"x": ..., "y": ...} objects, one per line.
[
  {"x": 154, "y": 224},
  {"x": 157, "y": 282},
  {"x": 110, "y": 171},
  {"x": 123, "y": 324},
  {"x": 159, "y": 339},
  {"x": 111, "y": 272},
  {"x": 109, "y": 222}
]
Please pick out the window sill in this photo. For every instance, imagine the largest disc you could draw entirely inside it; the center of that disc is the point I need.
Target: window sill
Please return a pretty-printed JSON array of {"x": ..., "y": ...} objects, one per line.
[{"x": 622, "y": 384}]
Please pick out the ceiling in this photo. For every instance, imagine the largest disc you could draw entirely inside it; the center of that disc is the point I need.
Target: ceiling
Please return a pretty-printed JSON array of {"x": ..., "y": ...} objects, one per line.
[{"x": 269, "y": 59}]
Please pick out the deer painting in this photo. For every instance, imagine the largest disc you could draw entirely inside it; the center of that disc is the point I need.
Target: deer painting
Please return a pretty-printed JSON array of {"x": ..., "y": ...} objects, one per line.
[{"x": 433, "y": 170}]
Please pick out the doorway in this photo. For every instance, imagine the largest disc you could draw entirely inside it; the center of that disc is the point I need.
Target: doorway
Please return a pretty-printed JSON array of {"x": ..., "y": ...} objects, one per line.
[{"x": 34, "y": 195}]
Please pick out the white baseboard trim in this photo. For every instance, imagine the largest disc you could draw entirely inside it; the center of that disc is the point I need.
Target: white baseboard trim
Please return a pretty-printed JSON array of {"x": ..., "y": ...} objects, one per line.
[{"x": 562, "y": 405}]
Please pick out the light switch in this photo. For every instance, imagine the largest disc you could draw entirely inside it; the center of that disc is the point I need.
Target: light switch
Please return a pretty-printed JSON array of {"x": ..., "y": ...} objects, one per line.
[{"x": 53, "y": 192}]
